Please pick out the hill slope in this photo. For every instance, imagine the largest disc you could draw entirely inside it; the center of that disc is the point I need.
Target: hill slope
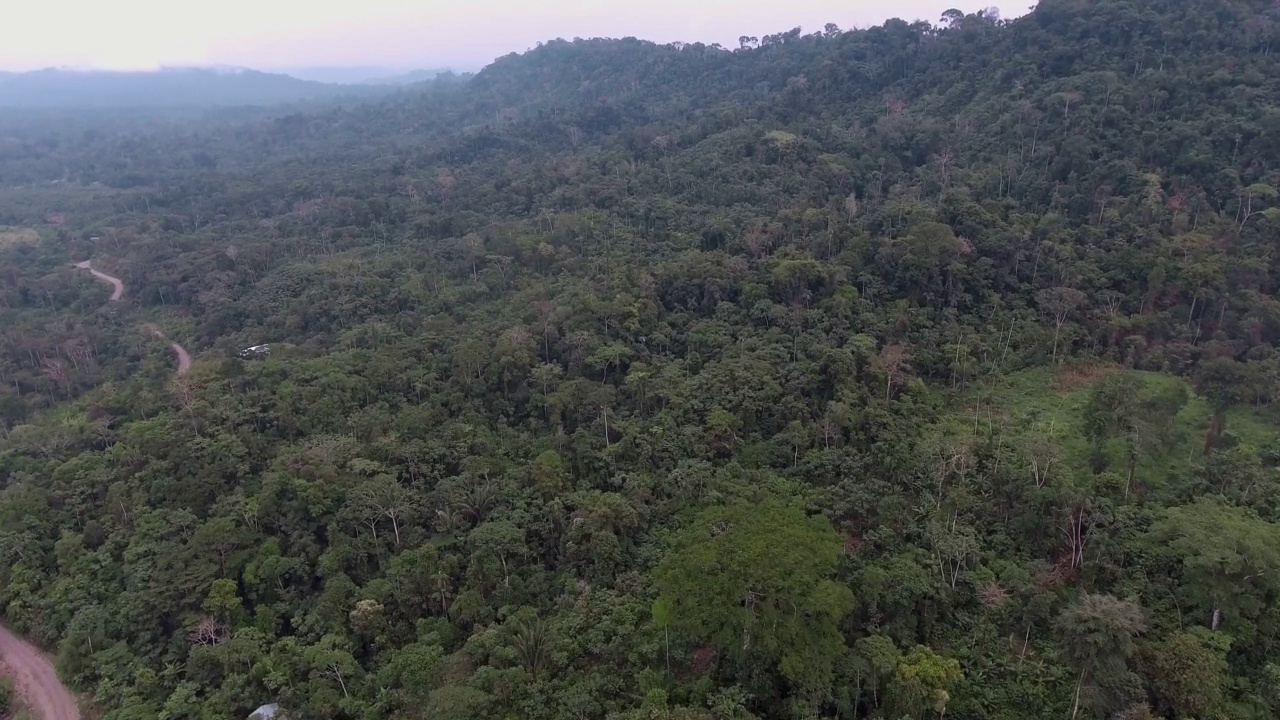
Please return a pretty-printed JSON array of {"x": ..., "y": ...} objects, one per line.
[
  {"x": 853, "y": 374},
  {"x": 162, "y": 88}
]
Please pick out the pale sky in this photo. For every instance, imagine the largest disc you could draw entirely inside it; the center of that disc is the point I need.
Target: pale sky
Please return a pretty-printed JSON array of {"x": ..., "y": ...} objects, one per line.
[{"x": 463, "y": 34}]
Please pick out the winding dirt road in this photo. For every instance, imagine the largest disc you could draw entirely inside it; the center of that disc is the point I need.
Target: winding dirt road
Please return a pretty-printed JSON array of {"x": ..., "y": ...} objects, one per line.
[
  {"x": 184, "y": 357},
  {"x": 36, "y": 680},
  {"x": 117, "y": 285},
  {"x": 32, "y": 672},
  {"x": 117, "y": 293}
]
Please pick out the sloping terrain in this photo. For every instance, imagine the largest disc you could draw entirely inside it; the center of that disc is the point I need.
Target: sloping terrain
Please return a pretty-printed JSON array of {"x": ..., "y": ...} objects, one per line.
[
  {"x": 173, "y": 87},
  {"x": 887, "y": 373}
]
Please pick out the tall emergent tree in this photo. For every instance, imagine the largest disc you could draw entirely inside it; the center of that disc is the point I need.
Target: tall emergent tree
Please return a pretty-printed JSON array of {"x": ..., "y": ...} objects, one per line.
[{"x": 755, "y": 582}]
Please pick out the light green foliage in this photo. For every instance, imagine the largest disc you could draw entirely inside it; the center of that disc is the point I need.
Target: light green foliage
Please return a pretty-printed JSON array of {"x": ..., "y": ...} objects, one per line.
[
  {"x": 921, "y": 682},
  {"x": 1187, "y": 672},
  {"x": 875, "y": 660},
  {"x": 754, "y": 580},
  {"x": 1078, "y": 421},
  {"x": 222, "y": 602},
  {"x": 781, "y": 139},
  {"x": 331, "y": 659},
  {"x": 455, "y": 702},
  {"x": 17, "y": 236},
  {"x": 727, "y": 704},
  {"x": 1229, "y": 557},
  {"x": 1098, "y": 633},
  {"x": 409, "y": 674}
]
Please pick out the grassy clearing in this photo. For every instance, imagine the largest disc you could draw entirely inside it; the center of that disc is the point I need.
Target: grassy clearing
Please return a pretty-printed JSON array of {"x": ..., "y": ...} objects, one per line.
[
  {"x": 17, "y": 235},
  {"x": 1046, "y": 406}
]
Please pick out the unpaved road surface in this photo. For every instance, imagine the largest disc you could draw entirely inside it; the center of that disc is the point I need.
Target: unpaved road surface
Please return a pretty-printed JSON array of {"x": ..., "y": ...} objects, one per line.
[
  {"x": 117, "y": 285},
  {"x": 36, "y": 680},
  {"x": 32, "y": 672},
  {"x": 117, "y": 292},
  {"x": 184, "y": 357}
]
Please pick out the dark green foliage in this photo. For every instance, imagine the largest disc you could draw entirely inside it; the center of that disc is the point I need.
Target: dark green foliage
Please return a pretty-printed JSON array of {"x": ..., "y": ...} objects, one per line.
[
  {"x": 7, "y": 697},
  {"x": 850, "y": 374}
]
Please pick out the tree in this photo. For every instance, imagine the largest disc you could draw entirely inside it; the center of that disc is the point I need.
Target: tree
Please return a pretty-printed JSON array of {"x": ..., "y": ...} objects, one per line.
[
  {"x": 331, "y": 658},
  {"x": 875, "y": 659},
  {"x": 382, "y": 496},
  {"x": 1059, "y": 303},
  {"x": 496, "y": 540},
  {"x": 223, "y": 603},
  {"x": 894, "y": 361},
  {"x": 85, "y": 636},
  {"x": 661, "y": 612},
  {"x": 368, "y": 617},
  {"x": 547, "y": 375},
  {"x": 754, "y": 580},
  {"x": 1254, "y": 197},
  {"x": 532, "y": 642},
  {"x": 1114, "y": 408},
  {"x": 921, "y": 682},
  {"x": 549, "y": 472},
  {"x": 457, "y": 702},
  {"x": 1224, "y": 383},
  {"x": 411, "y": 672},
  {"x": 723, "y": 428},
  {"x": 1187, "y": 671},
  {"x": 611, "y": 355},
  {"x": 1229, "y": 557},
  {"x": 1097, "y": 634}
]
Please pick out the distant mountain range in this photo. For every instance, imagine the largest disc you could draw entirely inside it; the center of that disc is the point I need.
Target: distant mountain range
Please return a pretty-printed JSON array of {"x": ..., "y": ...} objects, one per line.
[
  {"x": 172, "y": 87},
  {"x": 367, "y": 75}
]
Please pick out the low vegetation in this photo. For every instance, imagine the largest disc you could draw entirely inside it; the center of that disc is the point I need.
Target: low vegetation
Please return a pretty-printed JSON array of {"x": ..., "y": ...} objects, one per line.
[{"x": 17, "y": 236}]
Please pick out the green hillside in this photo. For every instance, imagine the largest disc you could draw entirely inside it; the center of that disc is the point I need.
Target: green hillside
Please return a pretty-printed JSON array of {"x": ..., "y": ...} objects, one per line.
[{"x": 909, "y": 371}]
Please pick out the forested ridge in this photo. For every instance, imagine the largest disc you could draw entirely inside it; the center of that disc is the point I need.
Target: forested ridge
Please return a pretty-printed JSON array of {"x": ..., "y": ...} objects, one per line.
[
  {"x": 167, "y": 88},
  {"x": 914, "y": 371}
]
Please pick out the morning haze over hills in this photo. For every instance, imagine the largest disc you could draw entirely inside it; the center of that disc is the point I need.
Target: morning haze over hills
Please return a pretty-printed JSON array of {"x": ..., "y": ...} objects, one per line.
[
  {"x": 225, "y": 66},
  {"x": 195, "y": 86},
  {"x": 927, "y": 370}
]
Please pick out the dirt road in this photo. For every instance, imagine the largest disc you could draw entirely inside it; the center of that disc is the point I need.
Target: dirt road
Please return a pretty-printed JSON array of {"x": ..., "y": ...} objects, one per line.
[
  {"x": 117, "y": 285},
  {"x": 117, "y": 292},
  {"x": 33, "y": 674},
  {"x": 184, "y": 357},
  {"x": 31, "y": 670},
  {"x": 36, "y": 680}
]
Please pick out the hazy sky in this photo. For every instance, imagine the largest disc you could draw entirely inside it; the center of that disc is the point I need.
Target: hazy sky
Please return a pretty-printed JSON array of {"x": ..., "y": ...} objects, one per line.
[{"x": 464, "y": 34}]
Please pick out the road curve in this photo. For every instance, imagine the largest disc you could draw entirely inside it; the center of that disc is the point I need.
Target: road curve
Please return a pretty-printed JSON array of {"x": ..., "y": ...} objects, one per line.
[
  {"x": 32, "y": 672},
  {"x": 117, "y": 292},
  {"x": 36, "y": 681},
  {"x": 184, "y": 357},
  {"x": 117, "y": 285}
]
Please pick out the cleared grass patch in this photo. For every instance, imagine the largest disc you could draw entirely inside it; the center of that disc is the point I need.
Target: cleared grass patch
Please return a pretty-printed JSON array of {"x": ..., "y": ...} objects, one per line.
[
  {"x": 17, "y": 236},
  {"x": 1041, "y": 411}
]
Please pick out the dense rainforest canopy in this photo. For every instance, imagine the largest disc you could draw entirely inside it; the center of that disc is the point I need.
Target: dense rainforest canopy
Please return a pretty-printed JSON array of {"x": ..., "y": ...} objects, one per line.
[{"x": 889, "y": 373}]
